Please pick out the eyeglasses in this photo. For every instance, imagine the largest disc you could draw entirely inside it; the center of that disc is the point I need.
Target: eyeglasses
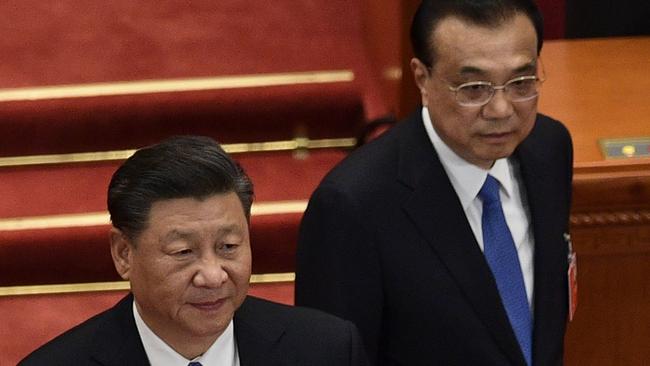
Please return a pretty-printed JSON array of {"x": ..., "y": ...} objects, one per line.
[{"x": 479, "y": 93}]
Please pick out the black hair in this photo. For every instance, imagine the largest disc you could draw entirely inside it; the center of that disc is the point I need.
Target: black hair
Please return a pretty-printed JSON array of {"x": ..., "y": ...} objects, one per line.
[
  {"x": 480, "y": 12},
  {"x": 179, "y": 167}
]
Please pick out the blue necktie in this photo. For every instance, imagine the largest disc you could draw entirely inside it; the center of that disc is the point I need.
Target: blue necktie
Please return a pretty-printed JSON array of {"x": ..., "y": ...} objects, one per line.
[
  {"x": 194, "y": 364},
  {"x": 501, "y": 255}
]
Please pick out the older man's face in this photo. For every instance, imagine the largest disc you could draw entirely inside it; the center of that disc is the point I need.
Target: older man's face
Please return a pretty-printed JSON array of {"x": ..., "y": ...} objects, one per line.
[
  {"x": 189, "y": 270},
  {"x": 465, "y": 52}
]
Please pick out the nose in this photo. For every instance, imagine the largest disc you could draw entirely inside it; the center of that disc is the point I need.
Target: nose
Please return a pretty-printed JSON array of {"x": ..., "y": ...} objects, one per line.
[
  {"x": 210, "y": 273},
  {"x": 499, "y": 107}
]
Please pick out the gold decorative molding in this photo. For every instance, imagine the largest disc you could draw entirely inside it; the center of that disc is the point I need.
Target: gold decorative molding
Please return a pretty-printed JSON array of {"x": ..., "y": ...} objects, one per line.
[
  {"x": 55, "y": 221},
  {"x": 249, "y": 147},
  {"x": 174, "y": 85},
  {"x": 273, "y": 277},
  {"x": 103, "y": 218},
  {"x": 278, "y": 207},
  {"x": 85, "y": 157},
  {"x": 119, "y": 285},
  {"x": 627, "y": 217},
  {"x": 64, "y": 288}
]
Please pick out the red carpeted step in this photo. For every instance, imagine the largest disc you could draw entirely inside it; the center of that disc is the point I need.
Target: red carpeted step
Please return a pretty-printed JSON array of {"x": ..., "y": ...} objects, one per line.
[
  {"x": 73, "y": 125},
  {"x": 77, "y": 42},
  {"x": 74, "y": 253},
  {"x": 80, "y": 188},
  {"x": 82, "y": 254}
]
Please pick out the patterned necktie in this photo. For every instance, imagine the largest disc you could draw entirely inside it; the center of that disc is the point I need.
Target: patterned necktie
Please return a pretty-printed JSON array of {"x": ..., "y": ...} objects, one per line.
[{"x": 501, "y": 255}]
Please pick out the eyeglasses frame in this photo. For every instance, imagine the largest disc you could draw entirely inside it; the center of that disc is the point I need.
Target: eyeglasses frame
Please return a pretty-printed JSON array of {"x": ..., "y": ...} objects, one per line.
[
  {"x": 455, "y": 89},
  {"x": 495, "y": 88}
]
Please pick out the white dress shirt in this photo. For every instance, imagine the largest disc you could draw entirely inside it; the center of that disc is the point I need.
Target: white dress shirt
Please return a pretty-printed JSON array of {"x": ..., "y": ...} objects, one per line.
[
  {"x": 222, "y": 352},
  {"x": 467, "y": 180}
]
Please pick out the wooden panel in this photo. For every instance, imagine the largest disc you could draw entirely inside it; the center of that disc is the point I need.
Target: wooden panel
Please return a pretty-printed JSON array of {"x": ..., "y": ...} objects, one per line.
[
  {"x": 599, "y": 89},
  {"x": 611, "y": 234}
]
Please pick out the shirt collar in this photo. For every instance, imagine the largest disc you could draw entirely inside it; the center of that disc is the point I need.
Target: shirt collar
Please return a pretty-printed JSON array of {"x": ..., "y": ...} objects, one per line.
[
  {"x": 466, "y": 178},
  {"x": 222, "y": 352}
]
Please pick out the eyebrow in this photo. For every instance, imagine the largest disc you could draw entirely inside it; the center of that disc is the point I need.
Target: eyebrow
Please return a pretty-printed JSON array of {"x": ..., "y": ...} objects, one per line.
[
  {"x": 176, "y": 234},
  {"x": 531, "y": 66},
  {"x": 473, "y": 70}
]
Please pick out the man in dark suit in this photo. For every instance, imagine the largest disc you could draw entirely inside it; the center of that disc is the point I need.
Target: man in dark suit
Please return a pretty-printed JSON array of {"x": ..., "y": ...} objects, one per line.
[
  {"x": 180, "y": 212},
  {"x": 445, "y": 240}
]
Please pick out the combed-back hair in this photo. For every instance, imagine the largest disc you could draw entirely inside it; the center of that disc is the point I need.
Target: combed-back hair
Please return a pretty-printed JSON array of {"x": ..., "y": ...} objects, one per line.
[
  {"x": 179, "y": 167},
  {"x": 489, "y": 13}
]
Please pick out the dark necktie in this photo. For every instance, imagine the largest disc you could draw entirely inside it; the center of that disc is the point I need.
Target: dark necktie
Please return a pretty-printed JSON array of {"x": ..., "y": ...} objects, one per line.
[
  {"x": 194, "y": 364},
  {"x": 501, "y": 255}
]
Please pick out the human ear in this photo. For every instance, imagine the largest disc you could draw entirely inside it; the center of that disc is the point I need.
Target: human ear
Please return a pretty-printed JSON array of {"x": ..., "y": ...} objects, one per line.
[
  {"x": 121, "y": 250},
  {"x": 420, "y": 75}
]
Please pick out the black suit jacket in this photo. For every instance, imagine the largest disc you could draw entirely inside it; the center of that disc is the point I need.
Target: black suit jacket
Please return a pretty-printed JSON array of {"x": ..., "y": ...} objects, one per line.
[
  {"x": 267, "y": 334},
  {"x": 385, "y": 243}
]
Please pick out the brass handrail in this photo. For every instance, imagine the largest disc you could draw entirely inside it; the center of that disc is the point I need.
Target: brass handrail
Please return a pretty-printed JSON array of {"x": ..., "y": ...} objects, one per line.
[
  {"x": 296, "y": 144},
  {"x": 102, "y": 218},
  {"x": 173, "y": 85},
  {"x": 118, "y": 285}
]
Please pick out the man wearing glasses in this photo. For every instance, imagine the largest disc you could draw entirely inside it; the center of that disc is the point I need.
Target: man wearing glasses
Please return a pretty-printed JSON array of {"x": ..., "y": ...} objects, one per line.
[{"x": 446, "y": 239}]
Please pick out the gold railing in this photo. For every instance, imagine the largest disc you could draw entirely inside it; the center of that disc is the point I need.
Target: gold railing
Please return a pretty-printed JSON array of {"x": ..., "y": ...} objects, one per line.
[
  {"x": 297, "y": 144},
  {"x": 174, "y": 85},
  {"x": 118, "y": 285},
  {"x": 102, "y": 218}
]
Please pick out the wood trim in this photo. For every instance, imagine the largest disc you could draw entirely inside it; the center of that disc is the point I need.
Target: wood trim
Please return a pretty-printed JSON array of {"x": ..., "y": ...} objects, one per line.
[
  {"x": 613, "y": 167},
  {"x": 604, "y": 218},
  {"x": 611, "y": 191}
]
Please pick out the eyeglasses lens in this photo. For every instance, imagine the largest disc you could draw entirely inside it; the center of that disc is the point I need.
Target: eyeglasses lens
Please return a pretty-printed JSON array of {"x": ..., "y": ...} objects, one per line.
[{"x": 517, "y": 90}]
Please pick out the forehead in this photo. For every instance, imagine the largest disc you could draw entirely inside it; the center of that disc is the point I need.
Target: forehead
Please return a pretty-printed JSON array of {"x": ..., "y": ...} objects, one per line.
[
  {"x": 214, "y": 212},
  {"x": 461, "y": 46}
]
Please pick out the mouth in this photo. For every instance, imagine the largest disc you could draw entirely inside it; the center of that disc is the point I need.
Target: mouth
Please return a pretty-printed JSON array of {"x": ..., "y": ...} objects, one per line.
[
  {"x": 208, "y": 306},
  {"x": 497, "y": 137}
]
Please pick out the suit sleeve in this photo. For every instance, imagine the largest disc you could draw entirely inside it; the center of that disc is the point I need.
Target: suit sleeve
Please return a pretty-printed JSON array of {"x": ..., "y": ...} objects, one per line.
[
  {"x": 337, "y": 267},
  {"x": 357, "y": 351}
]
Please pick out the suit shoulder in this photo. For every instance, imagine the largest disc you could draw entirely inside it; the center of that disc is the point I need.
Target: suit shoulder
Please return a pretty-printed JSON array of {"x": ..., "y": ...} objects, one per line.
[
  {"x": 299, "y": 321},
  {"x": 301, "y": 336},
  {"x": 373, "y": 163},
  {"x": 549, "y": 127},
  {"x": 294, "y": 315},
  {"x": 371, "y": 155}
]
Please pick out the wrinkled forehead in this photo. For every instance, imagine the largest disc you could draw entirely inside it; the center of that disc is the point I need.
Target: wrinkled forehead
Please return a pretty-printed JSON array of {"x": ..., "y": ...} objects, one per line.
[
  {"x": 470, "y": 48},
  {"x": 454, "y": 35}
]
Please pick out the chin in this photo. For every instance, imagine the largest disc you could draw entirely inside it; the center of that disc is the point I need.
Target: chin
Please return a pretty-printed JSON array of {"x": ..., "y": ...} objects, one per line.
[
  {"x": 209, "y": 329},
  {"x": 500, "y": 152}
]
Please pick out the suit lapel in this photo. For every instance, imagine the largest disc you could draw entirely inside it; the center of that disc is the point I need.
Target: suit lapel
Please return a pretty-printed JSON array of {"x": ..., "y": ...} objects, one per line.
[
  {"x": 117, "y": 342},
  {"x": 435, "y": 210},
  {"x": 256, "y": 336},
  {"x": 549, "y": 254}
]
